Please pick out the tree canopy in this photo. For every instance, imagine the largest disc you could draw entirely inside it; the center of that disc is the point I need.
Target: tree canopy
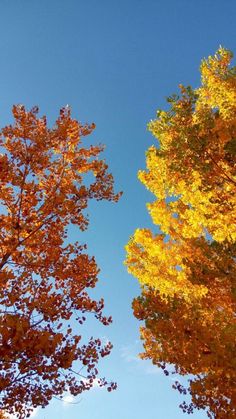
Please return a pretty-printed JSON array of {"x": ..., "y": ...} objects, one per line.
[
  {"x": 187, "y": 271},
  {"x": 45, "y": 280}
]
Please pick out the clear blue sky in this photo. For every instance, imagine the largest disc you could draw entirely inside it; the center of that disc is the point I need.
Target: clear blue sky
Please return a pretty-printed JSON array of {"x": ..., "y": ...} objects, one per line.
[{"x": 114, "y": 62}]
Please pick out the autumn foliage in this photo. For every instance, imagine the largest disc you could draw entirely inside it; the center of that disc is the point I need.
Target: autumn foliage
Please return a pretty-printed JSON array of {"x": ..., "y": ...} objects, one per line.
[
  {"x": 188, "y": 271},
  {"x": 45, "y": 279}
]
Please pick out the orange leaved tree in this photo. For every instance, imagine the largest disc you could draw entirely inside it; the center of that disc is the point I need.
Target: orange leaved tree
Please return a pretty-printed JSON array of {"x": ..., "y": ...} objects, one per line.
[
  {"x": 188, "y": 272},
  {"x": 44, "y": 280}
]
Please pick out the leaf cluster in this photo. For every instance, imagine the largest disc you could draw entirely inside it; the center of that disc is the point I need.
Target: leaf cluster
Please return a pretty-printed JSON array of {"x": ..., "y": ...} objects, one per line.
[
  {"x": 188, "y": 272},
  {"x": 45, "y": 281}
]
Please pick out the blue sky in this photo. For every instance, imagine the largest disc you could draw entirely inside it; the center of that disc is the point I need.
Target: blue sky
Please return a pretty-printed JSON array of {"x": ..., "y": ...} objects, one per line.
[{"x": 113, "y": 62}]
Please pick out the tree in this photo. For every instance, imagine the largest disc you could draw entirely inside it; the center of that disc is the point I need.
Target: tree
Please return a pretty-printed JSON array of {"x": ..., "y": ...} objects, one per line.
[
  {"x": 188, "y": 271},
  {"x": 44, "y": 279}
]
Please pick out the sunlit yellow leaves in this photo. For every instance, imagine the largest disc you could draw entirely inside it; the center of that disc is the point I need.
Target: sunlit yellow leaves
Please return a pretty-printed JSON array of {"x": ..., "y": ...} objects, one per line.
[
  {"x": 195, "y": 162},
  {"x": 187, "y": 271},
  {"x": 160, "y": 265},
  {"x": 219, "y": 85}
]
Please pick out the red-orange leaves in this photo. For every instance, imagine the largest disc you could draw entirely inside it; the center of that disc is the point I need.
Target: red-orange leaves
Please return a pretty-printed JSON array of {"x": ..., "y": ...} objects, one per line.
[{"x": 44, "y": 283}]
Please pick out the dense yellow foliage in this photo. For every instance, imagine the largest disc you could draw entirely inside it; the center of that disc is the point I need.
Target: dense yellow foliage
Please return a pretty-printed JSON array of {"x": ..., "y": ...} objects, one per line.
[
  {"x": 195, "y": 162},
  {"x": 188, "y": 272}
]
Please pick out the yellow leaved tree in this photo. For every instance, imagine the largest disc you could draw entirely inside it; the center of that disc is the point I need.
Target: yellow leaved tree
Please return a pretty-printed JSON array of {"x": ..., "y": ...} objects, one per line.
[{"x": 188, "y": 272}]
